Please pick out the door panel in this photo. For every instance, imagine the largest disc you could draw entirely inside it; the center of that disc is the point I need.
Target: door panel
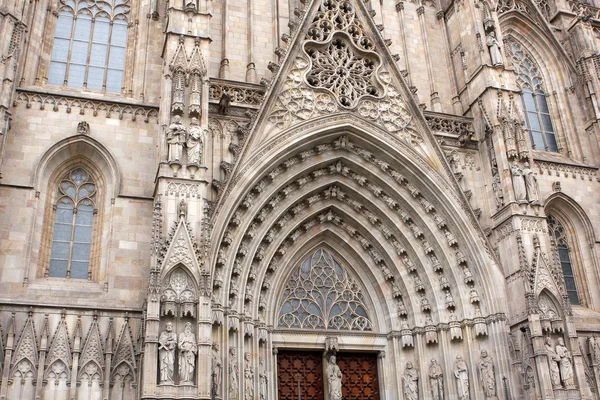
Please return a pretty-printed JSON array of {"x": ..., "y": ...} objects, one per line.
[
  {"x": 360, "y": 380},
  {"x": 306, "y": 367}
]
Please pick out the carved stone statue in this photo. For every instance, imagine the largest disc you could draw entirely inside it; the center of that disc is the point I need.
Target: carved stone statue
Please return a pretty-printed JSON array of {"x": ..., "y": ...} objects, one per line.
[
  {"x": 187, "y": 354},
  {"x": 334, "y": 379},
  {"x": 461, "y": 374},
  {"x": 487, "y": 375},
  {"x": 494, "y": 46},
  {"x": 234, "y": 374},
  {"x": 498, "y": 193},
  {"x": 217, "y": 369},
  {"x": 565, "y": 364},
  {"x": 436, "y": 380},
  {"x": 410, "y": 382},
  {"x": 167, "y": 343},
  {"x": 531, "y": 184},
  {"x": 176, "y": 135},
  {"x": 248, "y": 378},
  {"x": 264, "y": 379},
  {"x": 518, "y": 183},
  {"x": 195, "y": 142},
  {"x": 83, "y": 128},
  {"x": 553, "y": 360}
]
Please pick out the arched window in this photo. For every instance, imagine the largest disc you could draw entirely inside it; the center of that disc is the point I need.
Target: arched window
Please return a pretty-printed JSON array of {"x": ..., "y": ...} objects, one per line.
[
  {"x": 321, "y": 294},
  {"x": 89, "y": 44},
  {"x": 74, "y": 212},
  {"x": 558, "y": 233},
  {"x": 533, "y": 100}
]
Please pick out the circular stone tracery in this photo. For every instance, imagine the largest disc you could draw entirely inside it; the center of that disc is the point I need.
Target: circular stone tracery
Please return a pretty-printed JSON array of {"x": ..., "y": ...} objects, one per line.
[{"x": 343, "y": 69}]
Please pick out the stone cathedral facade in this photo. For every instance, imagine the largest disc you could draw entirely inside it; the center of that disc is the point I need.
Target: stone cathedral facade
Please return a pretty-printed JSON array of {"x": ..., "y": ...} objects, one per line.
[{"x": 299, "y": 199}]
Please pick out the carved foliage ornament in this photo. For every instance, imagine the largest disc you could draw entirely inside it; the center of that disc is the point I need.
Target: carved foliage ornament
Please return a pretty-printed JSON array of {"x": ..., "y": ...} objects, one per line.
[{"x": 321, "y": 295}]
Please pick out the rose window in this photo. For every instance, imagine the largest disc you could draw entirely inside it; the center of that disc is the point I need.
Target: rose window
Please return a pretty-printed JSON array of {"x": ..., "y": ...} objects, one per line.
[{"x": 341, "y": 68}]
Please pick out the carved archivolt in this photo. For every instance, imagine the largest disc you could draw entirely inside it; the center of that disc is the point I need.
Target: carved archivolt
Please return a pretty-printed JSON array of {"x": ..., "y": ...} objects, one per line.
[{"x": 333, "y": 192}]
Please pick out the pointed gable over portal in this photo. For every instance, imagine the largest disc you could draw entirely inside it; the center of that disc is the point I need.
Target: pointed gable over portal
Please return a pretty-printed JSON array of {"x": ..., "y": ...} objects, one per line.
[{"x": 338, "y": 65}]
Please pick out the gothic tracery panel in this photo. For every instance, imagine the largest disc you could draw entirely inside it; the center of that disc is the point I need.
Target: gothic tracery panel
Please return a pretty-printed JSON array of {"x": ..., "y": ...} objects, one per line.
[{"x": 322, "y": 295}]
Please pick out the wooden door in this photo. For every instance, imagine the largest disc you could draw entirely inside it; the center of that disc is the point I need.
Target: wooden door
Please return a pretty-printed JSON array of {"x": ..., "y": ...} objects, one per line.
[
  {"x": 305, "y": 368},
  {"x": 360, "y": 380}
]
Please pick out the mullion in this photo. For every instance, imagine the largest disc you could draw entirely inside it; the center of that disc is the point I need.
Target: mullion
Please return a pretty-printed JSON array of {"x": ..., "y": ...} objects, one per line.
[{"x": 89, "y": 54}]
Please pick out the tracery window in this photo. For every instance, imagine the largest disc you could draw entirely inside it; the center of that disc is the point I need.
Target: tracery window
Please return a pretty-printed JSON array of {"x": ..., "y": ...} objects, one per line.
[
  {"x": 533, "y": 99},
  {"x": 89, "y": 44},
  {"x": 322, "y": 295},
  {"x": 74, "y": 212},
  {"x": 558, "y": 233}
]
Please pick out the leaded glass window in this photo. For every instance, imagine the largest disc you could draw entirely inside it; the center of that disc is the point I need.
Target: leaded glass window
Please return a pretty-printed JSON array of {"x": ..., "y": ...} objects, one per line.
[
  {"x": 73, "y": 226},
  {"x": 533, "y": 99},
  {"x": 89, "y": 44},
  {"x": 321, "y": 294},
  {"x": 558, "y": 233}
]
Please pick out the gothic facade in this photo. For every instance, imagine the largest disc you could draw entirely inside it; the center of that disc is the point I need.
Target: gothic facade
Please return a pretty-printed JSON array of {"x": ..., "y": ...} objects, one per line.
[{"x": 299, "y": 199}]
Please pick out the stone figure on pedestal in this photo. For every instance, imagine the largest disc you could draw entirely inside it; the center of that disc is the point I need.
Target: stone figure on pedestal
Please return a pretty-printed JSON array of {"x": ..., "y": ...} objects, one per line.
[
  {"x": 410, "y": 382},
  {"x": 497, "y": 189},
  {"x": 334, "y": 379},
  {"x": 531, "y": 184},
  {"x": 248, "y": 378},
  {"x": 461, "y": 374},
  {"x": 518, "y": 183},
  {"x": 176, "y": 136},
  {"x": 565, "y": 365},
  {"x": 553, "y": 360},
  {"x": 264, "y": 380},
  {"x": 436, "y": 380},
  {"x": 167, "y": 343},
  {"x": 487, "y": 375},
  {"x": 234, "y": 374},
  {"x": 494, "y": 46},
  {"x": 188, "y": 349},
  {"x": 217, "y": 369},
  {"x": 195, "y": 142}
]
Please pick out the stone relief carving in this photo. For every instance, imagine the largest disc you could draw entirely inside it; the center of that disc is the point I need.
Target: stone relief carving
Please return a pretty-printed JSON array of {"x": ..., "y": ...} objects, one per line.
[
  {"x": 461, "y": 374},
  {"x": 166, "y": 350},
  {"x": 334, "y": 379},
  {"x": 487, "y": 375},
  {"x": 410, "y": 382},
  {"x": 436, "y": 380},
  {"x": 187, "y": 355}
]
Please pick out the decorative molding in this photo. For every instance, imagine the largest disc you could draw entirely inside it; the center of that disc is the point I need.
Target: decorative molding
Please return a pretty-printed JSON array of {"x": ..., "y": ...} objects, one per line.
[{"x": 110, "y": 109}]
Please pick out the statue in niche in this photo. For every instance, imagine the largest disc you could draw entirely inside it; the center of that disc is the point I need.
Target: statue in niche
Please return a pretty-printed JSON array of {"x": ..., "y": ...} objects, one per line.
[
  {"x": 167, "y": 343},
  {"x": 497, "y": 189},
  {"x": 334, "y": 379},
  {"x": 233, "y": 374},
  {"x": 487, "y": 375},
  {"x": 518, "y": 183},
  {"x": 195, "y": 142},
  {"x": 410, "y": 382},
  {"x": 187, "y": 354},
  {"x": 553, "y": 360},
  {"x": 531, "y": 184},
  {"x": 217, "y": 369},
  {"x": 264, "y": 379},
  {"x": 248, "y": 378},
  {"x": 176, "y": 136},
  {"x": 565, "y": 364},
  {"x": 494, "y": 47},
  {"x": 461, "y": 374},
  {"x": 436, "y": 380}
]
